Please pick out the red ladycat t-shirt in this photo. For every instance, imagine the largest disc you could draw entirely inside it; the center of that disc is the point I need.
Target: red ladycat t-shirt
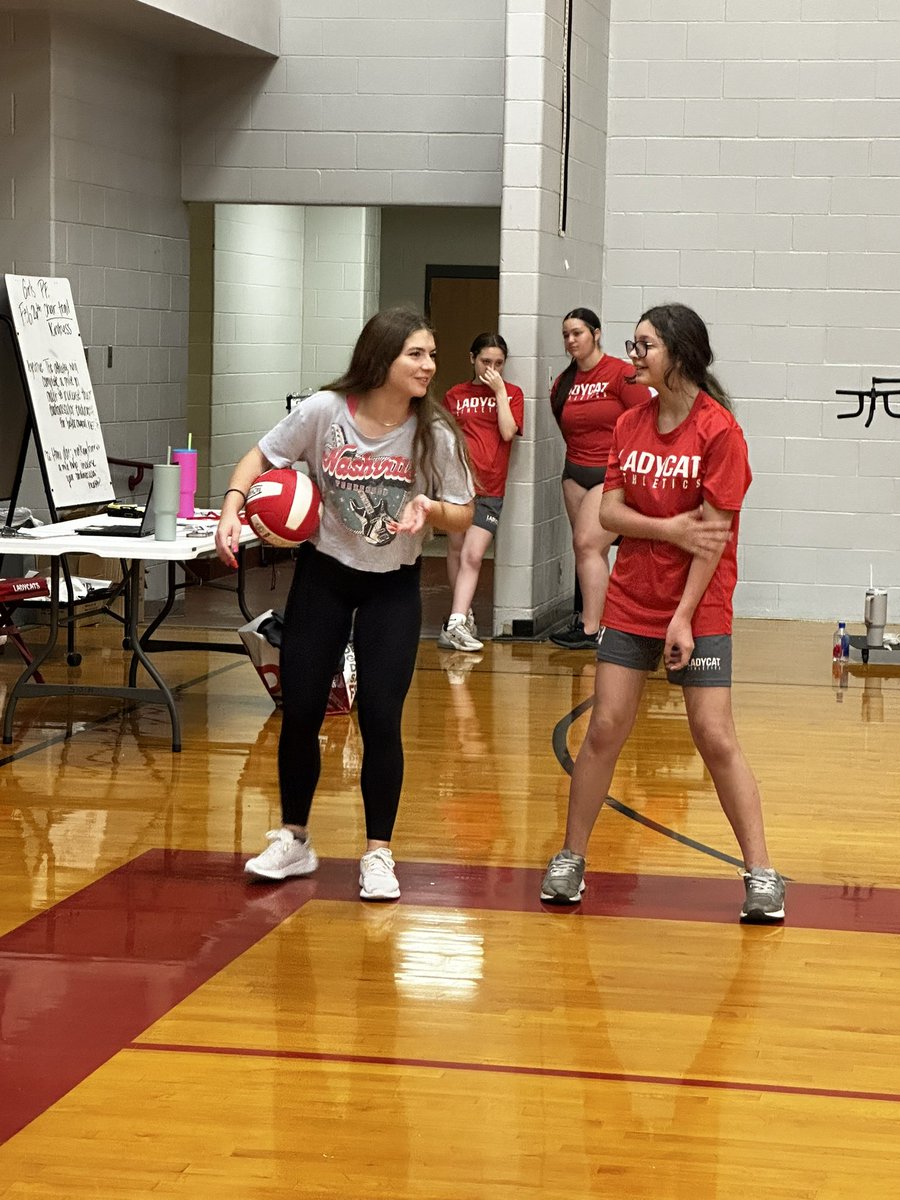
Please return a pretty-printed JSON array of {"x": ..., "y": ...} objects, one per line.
[
  {"x": 474, "y": 406},
  {"x": 595, "y": 402},
  {"x": 663, "y": 474}
]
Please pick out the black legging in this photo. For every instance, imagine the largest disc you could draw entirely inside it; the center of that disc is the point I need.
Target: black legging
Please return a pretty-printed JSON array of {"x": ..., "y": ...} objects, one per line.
[{"x": 317, "y": 622}]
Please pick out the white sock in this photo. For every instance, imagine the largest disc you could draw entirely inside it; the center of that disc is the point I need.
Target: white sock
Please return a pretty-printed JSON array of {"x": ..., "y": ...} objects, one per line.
[{"x": 456, "y": 619}]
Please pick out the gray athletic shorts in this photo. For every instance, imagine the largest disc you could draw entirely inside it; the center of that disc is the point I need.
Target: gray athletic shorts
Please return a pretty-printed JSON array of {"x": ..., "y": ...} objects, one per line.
[
  {"x": 487, "y": 512},
  {"x": 710, "y": 664}
]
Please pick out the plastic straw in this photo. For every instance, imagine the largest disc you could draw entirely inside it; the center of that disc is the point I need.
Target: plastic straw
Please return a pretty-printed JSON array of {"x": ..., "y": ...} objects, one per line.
[
  {"x": 190, "y": 435},
  {"x": 169, "y": 457}
]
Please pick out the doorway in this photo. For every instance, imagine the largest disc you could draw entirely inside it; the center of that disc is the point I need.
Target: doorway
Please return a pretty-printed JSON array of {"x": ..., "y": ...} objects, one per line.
[{"x": 460, "y": 302}]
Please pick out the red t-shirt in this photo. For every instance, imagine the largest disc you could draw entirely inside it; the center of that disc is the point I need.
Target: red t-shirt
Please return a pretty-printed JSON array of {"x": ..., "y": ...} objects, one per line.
[
  {"x": 595, "y": 402},
  {"x": 474, "y": 406},
  {"x": 663, "y": 474}
]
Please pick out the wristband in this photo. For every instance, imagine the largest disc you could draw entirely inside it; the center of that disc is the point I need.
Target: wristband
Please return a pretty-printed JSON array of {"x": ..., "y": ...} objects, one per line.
[{"x": 239, "y": 492}]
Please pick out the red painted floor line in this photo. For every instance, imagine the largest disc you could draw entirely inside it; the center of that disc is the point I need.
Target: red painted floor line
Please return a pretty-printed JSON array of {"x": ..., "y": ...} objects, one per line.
[
  {"x": 85, "y": 978},
  {"x": 729, "y": 1085}
]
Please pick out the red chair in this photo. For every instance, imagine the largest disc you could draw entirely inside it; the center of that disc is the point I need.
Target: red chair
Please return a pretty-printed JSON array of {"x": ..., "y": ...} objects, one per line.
[{"x": 12, "y": 593}]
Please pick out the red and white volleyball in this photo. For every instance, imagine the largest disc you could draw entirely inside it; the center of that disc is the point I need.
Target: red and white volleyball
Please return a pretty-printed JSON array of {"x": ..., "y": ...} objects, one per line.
[{"x": 284, "y": 507}]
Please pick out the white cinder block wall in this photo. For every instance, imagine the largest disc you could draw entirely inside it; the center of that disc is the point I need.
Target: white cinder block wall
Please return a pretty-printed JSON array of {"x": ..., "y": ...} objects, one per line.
[
  {"x": 25, "y": 204},
  {"x": 257, "y": 327},
  {"x": 394, "y": 103},
  {"x": 753, "y": 160},
  {"x": 543, "y": 275},
  {"x": 91, "y": 191},
  {"x": 292, "y": 286},
  {"x": 25, "y": 192},
  {"x": 120, "y": 229},
  {"x": 340, "y": 287}
]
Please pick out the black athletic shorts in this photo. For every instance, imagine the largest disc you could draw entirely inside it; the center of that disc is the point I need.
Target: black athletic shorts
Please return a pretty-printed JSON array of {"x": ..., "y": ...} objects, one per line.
[
  {"x": 487, "y": 512},
  {"x": 586, "y": 477}
]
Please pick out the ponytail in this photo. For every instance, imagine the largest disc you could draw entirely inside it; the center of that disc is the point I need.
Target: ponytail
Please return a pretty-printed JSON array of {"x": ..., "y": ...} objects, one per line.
[
  {"x": 559, "y": 393},
  {"x": 713, "y": 388}
]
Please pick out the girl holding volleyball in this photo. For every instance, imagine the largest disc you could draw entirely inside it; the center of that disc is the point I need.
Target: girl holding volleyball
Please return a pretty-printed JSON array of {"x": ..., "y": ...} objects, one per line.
[
  {"x": 389, "y": 463},
  {"x": 678, "y": 473},
  {"x": 489, "y": 412},
  {"x": 587, "y": 400}
]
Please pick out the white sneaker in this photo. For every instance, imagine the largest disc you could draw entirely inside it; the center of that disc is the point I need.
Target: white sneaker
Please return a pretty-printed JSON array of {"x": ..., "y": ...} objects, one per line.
[
  {"x": 456, "y": 636},
  {"x": 377, "y": 880},
  {"x": 470, "y": 624},
  {"x": 285, "y": 856}
]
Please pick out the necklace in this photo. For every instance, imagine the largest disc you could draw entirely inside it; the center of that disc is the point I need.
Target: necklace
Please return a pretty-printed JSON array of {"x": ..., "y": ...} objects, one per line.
[{"x": 386, "y": 424}]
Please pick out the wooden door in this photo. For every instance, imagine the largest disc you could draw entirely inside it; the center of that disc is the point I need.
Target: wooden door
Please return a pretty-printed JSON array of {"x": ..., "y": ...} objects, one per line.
[{"x": 460, "y": 307}]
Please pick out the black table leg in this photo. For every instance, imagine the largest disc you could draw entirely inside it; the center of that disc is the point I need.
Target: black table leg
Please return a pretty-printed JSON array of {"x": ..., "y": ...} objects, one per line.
[
  {"x": 160, "y": 694},
  {"x": 34, "y": 666}
]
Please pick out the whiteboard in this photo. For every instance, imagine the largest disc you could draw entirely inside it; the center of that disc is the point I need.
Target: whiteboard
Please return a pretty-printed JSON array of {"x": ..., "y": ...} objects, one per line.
[{"x": 67, "y": 425}]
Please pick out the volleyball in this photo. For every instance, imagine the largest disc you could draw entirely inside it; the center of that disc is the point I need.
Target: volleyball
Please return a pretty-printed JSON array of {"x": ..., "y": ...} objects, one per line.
[{"x": 284, "y": 507}]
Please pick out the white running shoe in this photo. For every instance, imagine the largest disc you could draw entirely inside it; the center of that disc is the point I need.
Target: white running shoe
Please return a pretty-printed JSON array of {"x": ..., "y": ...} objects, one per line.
[
  {"x": 470, "y": 624},
  {"x": 377, "y": 880},
  {"x": 285, "y": 856},
  {"x": 455, "y": 636}
]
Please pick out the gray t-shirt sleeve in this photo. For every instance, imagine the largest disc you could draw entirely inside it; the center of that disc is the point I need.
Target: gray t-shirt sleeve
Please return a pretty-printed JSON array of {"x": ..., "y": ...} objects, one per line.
[
  {"x": 455, "y": 484},
  {"x": 295, "y": 437}
]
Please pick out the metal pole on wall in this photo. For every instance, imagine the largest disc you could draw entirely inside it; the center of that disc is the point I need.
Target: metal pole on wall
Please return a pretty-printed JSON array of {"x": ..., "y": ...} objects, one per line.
[{"x": 566, "y": 117}]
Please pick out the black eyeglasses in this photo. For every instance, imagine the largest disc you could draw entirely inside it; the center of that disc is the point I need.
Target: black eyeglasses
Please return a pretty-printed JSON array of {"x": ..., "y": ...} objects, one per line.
[{"x": 638, "y": 349}]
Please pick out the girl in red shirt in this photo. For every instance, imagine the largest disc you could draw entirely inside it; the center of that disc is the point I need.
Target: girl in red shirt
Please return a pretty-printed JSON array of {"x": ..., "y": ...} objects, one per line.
[
  {"x": 489, "y": 412},
  {"x": 678, "y": 473},
  {"x": 587, "y": 399}
]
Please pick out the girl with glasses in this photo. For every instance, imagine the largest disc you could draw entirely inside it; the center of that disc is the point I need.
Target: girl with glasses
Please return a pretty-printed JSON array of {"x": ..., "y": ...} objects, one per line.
[
  {"x": 676, "y": 482},
  {"x": 587, "y": 400}
]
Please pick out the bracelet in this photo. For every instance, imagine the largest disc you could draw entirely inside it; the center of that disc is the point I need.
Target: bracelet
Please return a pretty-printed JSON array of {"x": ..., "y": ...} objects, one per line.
[{"x": 239, "y": 492}]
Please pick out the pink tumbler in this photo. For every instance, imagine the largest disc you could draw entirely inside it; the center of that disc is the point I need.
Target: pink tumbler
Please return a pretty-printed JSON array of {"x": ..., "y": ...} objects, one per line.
[{"x": 187, "y": 460}]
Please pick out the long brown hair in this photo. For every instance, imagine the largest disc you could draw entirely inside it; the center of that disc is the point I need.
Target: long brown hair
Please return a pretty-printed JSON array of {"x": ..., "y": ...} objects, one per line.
[
  {"x": 560, "y": 392},
  {"x": 380, "y": 343},
  {"x": 685, "y": 336}
]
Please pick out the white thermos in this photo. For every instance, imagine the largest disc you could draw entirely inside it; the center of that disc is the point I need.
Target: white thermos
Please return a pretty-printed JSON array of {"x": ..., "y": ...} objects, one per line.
[{"x": 875, "y": 617}]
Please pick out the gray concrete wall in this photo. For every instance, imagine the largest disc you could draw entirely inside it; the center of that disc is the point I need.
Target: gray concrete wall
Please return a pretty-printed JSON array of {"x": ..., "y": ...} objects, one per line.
[{"x": 399, "y": 103}]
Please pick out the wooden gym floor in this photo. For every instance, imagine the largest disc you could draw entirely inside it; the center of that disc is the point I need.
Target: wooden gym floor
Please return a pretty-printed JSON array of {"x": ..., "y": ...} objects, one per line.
[{"x": 171, "y": 1029}]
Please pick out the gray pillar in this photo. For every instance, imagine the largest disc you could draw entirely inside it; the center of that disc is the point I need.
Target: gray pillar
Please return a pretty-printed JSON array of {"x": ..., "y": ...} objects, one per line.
[{"x": 544, "y": 272}]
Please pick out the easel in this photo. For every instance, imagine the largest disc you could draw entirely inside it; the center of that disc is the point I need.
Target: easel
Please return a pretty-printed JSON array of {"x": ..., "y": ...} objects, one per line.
[{"x": 21, "y": 423}]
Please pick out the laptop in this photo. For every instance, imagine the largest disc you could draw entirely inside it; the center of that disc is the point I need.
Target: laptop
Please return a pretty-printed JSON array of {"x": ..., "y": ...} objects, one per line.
[{"x": 145, "y": 528}]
